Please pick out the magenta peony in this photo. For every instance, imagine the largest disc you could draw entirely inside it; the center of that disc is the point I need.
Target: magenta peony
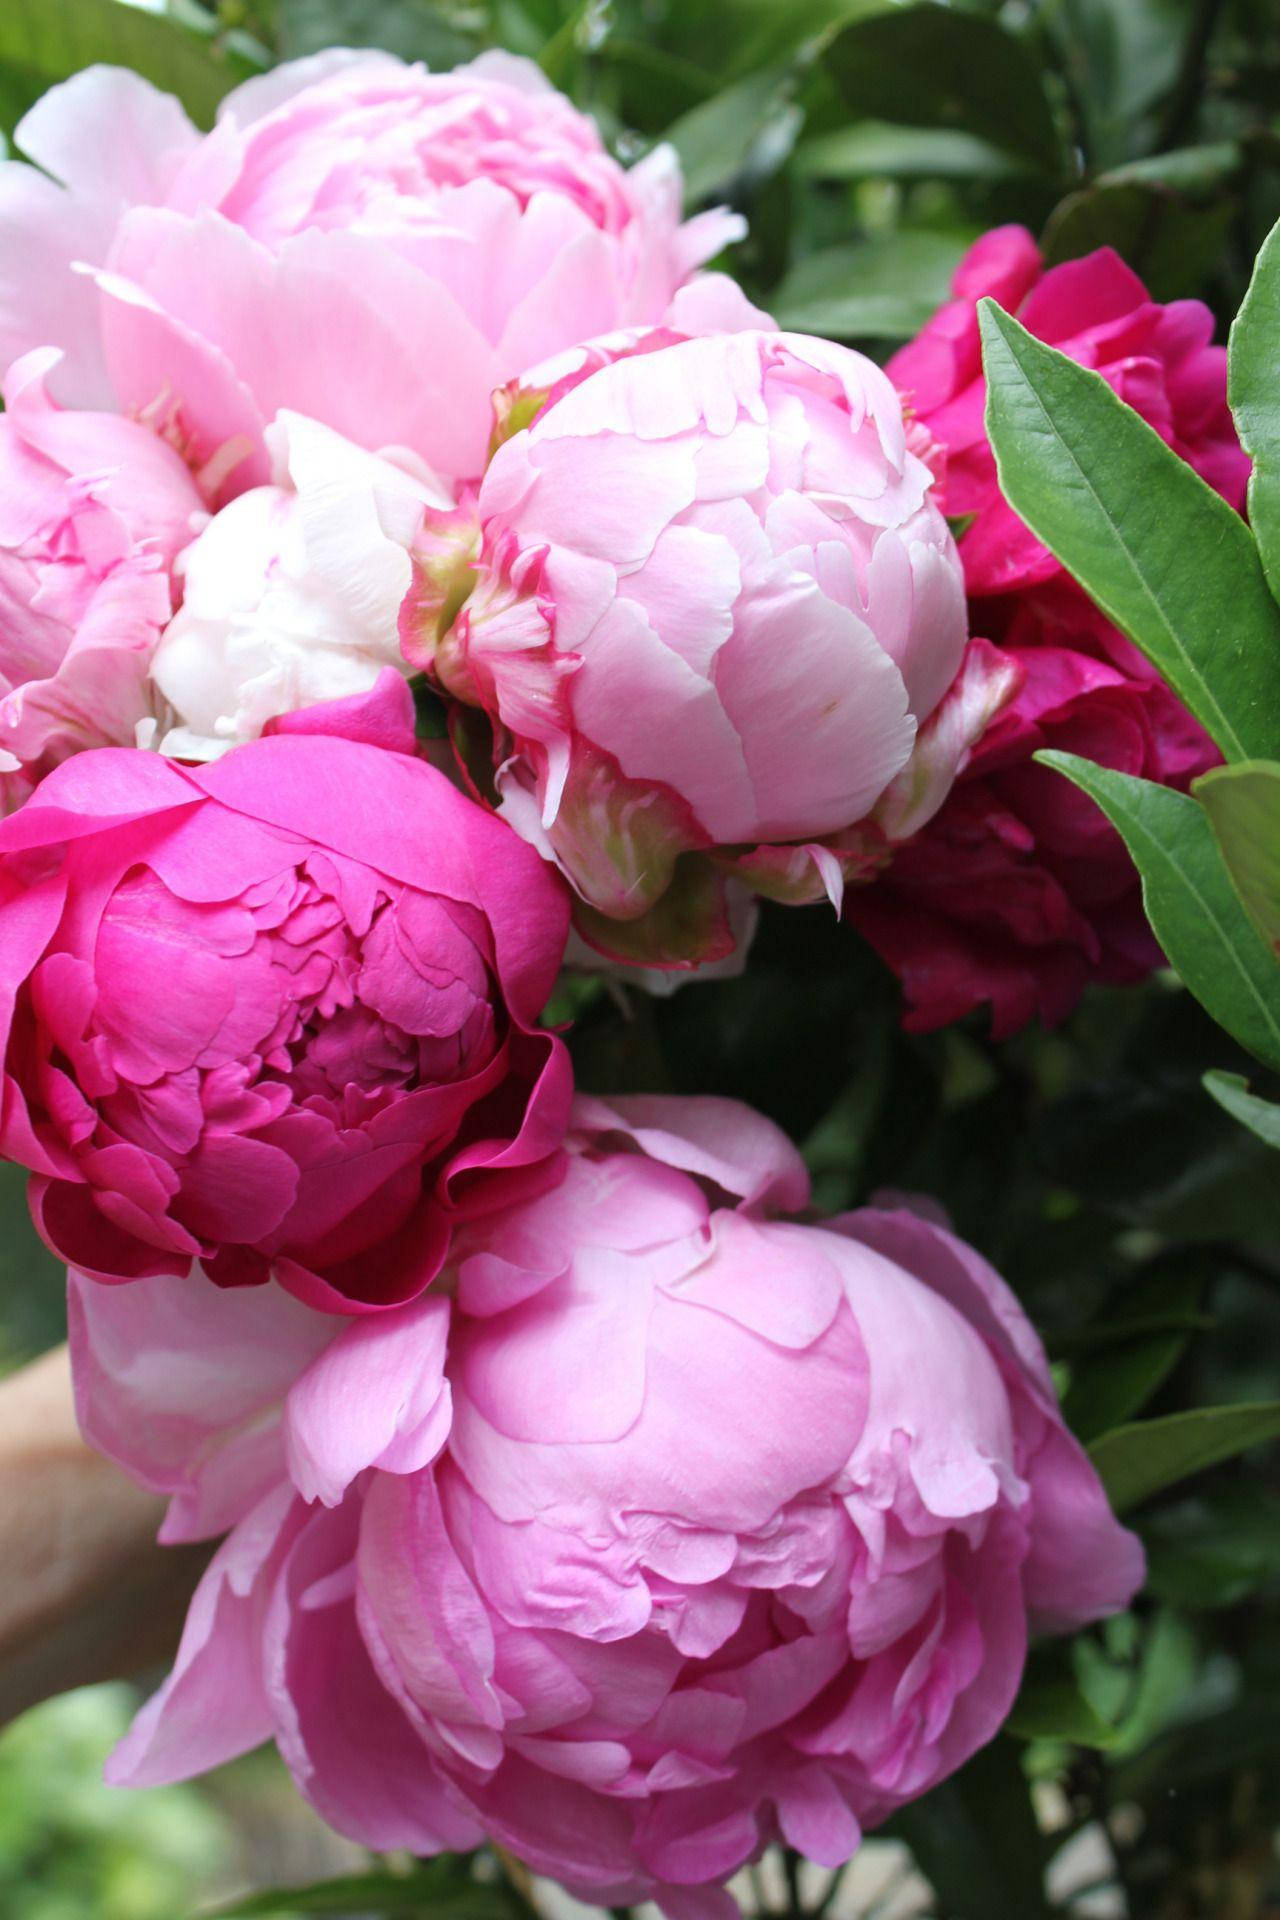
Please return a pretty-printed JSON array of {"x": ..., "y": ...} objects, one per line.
[
  {"x": 678, "y": 1529},
  {"x": 451, "y": 230},
  {"x": 274, "y": 1014},
  {"x": 93, "y": 512},
  {"x": 1018, "y": 892},
  {"x": 712, "y": 611}
]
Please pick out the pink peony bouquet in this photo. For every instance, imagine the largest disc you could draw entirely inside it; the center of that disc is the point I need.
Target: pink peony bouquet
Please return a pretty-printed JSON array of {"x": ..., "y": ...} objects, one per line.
[{"x": 417, "y": 574}]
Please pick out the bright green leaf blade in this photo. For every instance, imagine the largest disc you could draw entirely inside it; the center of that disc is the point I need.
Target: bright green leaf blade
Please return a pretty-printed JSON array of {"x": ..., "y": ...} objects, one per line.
[
  {"x": 935, "y": 66},
  {"x": 44, "y": 41},
  {"x": 1142, "y": 1459},
  {"x": 883, "y": 289},
  {"x": 1156, "y": 547},
  {"x": 1194, "y": 910},
  {"x": 1243, "y": 804},
  {"x": 1253, "y": 377},
  {"x": 1231, "y": 1091}
]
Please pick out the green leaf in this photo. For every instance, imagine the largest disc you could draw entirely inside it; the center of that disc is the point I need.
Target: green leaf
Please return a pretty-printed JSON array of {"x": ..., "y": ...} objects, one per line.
[
  {"x": 1160, "y": 552},
  {"x": 1194, "y": 910},
  {"x": 1215, "y": 1551},
  {"x": 934, "y": 66},
  {"x": 1172, "y": 240},
  {"x": 883, "y": 289},
  {"x": 1144, "y": 1458},
  {"x": 1050, "y": 1705},
  {"x": 415, "y": 29},
  {"x": 370, "y": 1893},
  {"x": 1231, "y": 1091},
  {"x": 744, "y": 133},
  {"x": 1243, "y": 804},
  {"x": 1253, "y": 376},
  {"x": 1109, "y": 1386},
  {"x": 44, "y": 41},
  {"x": 975, "y": 1838},
  {"x": 869, "y": 148}
]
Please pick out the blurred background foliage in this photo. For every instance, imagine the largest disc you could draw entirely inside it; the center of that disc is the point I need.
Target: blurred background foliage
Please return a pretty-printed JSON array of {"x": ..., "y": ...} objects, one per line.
[{"x": 868, "y": 143}]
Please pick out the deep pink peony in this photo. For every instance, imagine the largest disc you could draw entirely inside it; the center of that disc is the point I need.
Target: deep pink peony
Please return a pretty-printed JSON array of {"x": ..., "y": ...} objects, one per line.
[
  {"x": 1018, "y": 892},
  {"x": 680, "y": 1528},
  {"x": 713, "y": 609},
  {"x": 93, "y": 511},
  {"x": 357, "y": 240},
  {"x": 274, "y": 1014}
]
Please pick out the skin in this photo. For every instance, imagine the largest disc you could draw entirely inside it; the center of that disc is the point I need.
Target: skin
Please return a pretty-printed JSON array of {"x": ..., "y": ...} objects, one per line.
[{"x": 87, "y": 1594}]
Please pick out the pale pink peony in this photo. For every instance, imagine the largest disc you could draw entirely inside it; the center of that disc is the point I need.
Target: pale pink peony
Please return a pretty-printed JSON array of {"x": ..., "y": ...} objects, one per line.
[
  {"x": 680, "y": 1529},
  {"x": 1019, "y": 892},
  {"x": 717, "y": 624},
  {"x": 275, "y": 1014},
  {"x": 359, "y": 241},
  {"x": 292, "y": 593},
  {"x": 93, "y": 511}
]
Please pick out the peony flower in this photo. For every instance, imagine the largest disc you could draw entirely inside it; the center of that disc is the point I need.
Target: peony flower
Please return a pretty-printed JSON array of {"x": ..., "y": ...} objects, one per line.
[
  {"x": 291, "y": 593},
  {"x": 275, "y": 1014},
  {"x": 1018, "y": 892},
  {"x": 681, "y": 1528},
  {"x": 359, "y": 241},
  {"x": 717, "y": 624},
  {"x": 93, "y": 511}
]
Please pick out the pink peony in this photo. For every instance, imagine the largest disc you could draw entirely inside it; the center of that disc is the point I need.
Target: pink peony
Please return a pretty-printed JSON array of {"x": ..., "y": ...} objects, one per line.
[
  {"x": 681, "y": 1528},
  {"x": 713, "y": 607},
  {"x": 1018, "y": 892},
  {"x": 292, "y": 592},
  {"x": 357, "y": 240},
  {"x": 274, "y": 1014},
  {"x": 93, "y": 511}
]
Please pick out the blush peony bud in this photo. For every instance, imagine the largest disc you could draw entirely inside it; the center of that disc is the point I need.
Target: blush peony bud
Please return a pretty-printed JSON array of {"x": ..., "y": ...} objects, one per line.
[
  {"x": 359, "y": 241},
  {"x": 93, "y": 511},
  {"x": 275, "y": 1014},
  {"x": 1019, "y": 892},
  {"x": 717, "y": 626},
  {"x": 681, "y": 1529},
  {"x": 291, "y": 593}
]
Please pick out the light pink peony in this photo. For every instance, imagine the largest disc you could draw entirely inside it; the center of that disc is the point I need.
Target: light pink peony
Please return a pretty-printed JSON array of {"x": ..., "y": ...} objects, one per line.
[
  {"x": 93, "y": 511},
  {"x": 1018, "y": 892},
  {"x": 357, "y": 240},
  {"x": 275, "y": 1014},
  {"x": 292, "y": 592},
  {"x": 717, "y": 624},
  {"x": 680, "y": 1529}
]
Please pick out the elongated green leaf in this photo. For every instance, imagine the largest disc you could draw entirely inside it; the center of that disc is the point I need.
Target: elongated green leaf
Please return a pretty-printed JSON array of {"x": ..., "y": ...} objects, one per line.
[
  {"x": 1111, "y": 1385},
  {"x": 1253, "y": 374},
  {"x": 379, "y": 1893},
  {"x": 44, "y": 41},
  {"x": 870, "y": 147},
  {"x": 1142, "y": 1459},
  {"x": 1194, "y": 910},
  {"x": 881, "y": 289},
  {"x": 743, "y": 133},
  {"x": 1243, "y": 804},
  {"x": 1158, "y": 550},
  {"x": 936, "y": 66},
  {"x": 1231, "y": 1091}
]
